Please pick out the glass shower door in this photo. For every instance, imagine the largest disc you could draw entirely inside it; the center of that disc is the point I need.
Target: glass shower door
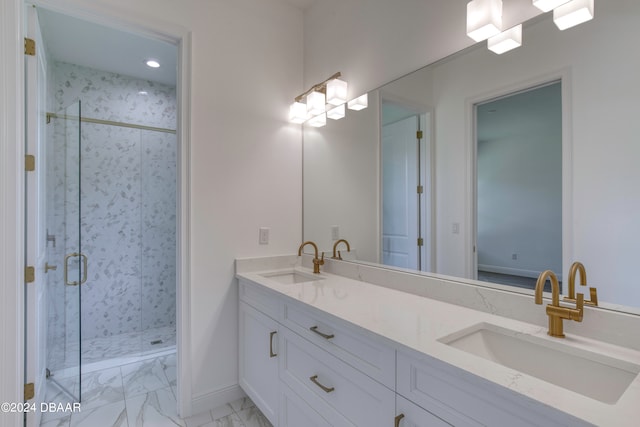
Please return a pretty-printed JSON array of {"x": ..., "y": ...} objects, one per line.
[{"x": 75, "y": 262}]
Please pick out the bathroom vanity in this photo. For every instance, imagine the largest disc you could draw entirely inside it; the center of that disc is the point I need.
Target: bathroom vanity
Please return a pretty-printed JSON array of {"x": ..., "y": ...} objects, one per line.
[{"x": 338, "y": 350}]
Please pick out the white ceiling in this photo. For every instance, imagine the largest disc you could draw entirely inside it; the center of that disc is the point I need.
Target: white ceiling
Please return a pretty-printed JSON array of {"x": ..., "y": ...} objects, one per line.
[{"x": 84, "y": 43}]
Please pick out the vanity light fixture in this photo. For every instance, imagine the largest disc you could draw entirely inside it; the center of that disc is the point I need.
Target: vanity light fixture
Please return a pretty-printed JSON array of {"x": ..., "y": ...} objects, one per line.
[
  {"x": 360, "y": 103},
  {"x": 318, "y": 121},
  {"x": 315, "y": 103},
  {"x": 484, "y": 19},
  {"x": 336, "y": 92},
  {"x": 547, "y": 5},
  {"x": 573, "y": 13},
  {"x": 506, "y": 40},
  {"x": 336, "y": 113},
  {"x": 298, "y": 112}
]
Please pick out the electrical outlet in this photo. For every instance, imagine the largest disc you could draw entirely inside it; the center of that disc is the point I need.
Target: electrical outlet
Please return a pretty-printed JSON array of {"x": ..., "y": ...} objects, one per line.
[
  {"x": 335, "y": 232},
  {"x": 455, "y": 228},
  {"x": 264, "y": 236},
  {"x": 514, "y": 256}
]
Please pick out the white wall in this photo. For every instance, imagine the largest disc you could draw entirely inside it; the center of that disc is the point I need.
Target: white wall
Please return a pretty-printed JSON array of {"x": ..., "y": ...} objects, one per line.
[{"x": 245, "y": 168}]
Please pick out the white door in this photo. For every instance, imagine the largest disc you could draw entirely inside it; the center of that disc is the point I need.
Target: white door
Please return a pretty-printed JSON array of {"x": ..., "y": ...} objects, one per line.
[
  {"x": 400, "y": 179},
  {"x": 35, "y": 235}
]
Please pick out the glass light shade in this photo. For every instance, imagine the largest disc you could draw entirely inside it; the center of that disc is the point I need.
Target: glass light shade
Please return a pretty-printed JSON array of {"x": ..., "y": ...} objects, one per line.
[
  {"x": 336, "y": 113},
  {"x": 573, "y": 13},
  {"x": 360, "y": 103},
  {"x": 298, "y": 112},
  {"x": 318, "y": 121},
  {"x": 336, "y": 92},
  {"x": 506, "y": 40},
  {"x": 547, "y": 5},
  {"x": 315, "y": 103},
  {"x": 484, "y": 19}
]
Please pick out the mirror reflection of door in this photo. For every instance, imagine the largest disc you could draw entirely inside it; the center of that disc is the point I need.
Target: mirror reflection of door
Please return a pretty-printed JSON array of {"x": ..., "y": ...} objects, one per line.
[
  {"x": 405, "y": 205},
  {"x": 519, "y": 186}
]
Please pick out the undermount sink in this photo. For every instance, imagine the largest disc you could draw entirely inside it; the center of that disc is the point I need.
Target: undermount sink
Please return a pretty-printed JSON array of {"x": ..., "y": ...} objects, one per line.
[
  {"x": 593, "y": 375},
  {"x": 291, "y": 277}
]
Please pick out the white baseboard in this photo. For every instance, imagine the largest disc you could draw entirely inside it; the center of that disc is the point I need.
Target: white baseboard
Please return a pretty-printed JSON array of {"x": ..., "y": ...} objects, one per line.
[{"x": 215, "y": 399}]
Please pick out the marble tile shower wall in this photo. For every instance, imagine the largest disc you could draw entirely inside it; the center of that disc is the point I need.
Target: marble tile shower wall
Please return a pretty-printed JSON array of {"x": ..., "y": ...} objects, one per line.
[{"x": 127, "y": 203}]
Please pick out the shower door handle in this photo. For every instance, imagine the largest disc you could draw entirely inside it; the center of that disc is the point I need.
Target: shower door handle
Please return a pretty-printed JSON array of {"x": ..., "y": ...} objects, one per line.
[{"x": 84, "y": 269}]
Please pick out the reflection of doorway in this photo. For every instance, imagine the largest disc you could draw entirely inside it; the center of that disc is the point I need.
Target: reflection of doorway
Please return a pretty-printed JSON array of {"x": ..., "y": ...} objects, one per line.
[
  {"x": 519, "y": 186},
  {"x": 405, "y": 190}
]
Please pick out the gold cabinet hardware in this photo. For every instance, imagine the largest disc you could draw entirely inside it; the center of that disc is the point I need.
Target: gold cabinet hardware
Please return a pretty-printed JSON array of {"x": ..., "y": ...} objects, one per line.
[
  {"x": 314, "y": 379},
  {"x": 29, "y": 47},
  {"x": 84, "y": 269},
  {"x": 398, "y": 419},
  {"x": 336, "y": 254},
  {"x": 317, "y": 262},
  {"x": 29, "y": 391},
  {"x": 325, "y": 336},
  {"x": 271, "y": 353},
  {"x": 555, "y": 311},
  {"x": 578, "y": 267},
  {"x": 48, "y": 267}
]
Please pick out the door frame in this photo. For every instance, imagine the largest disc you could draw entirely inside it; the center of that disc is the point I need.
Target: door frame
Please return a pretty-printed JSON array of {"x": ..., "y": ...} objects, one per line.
[
  {"x": 471, "y": 203},
  {"x": 12, "y": 223}
]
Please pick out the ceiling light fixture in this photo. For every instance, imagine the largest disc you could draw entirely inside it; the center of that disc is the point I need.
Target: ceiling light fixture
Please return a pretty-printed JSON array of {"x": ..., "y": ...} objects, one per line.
[
  {"x": 152, "y": 63},
  {"x": 506, "y": 40},
  {"x": 547, "y": 5},
  {"x": 484, "y": 19},
  {"x": 573, "y": 13}
]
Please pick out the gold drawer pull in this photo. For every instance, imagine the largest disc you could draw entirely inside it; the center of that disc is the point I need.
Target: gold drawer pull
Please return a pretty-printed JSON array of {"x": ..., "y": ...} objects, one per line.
[
  {"x": 325, "y": 336},
  {"x": 271, "y": 353},
  {"x": 398, "y": 418},
  {"x": 314, "y": 379}
]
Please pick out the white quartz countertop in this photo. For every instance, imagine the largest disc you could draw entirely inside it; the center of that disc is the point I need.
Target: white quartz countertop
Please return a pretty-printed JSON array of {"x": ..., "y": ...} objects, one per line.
[{"x": 418, "y": 323}]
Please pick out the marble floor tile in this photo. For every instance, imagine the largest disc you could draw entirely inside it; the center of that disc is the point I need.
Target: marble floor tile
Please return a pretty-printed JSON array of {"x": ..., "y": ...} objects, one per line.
[
  {"x": 102, "y": 388},
  {"x": 59, "y": 422},
  {"x": 143, "y": 377},
  {"x": 199, "y": 420},
  {"x": 252, "y": 417},
  {"x": 241, "y": 404},
  {"x": 232, "y": 420},
  {"x": 222, "y": 411},
  {"x": 54, "y": 394},
  {"x": 169, "y": 367},
  {"x": 156, "y": 408},
  {"x": 112, "y": 415}
]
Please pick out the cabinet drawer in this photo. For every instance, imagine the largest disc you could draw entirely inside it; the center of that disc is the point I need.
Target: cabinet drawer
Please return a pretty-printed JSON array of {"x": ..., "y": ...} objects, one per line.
[
  {"x": 329, "y": 384},
  {"x": 410, "y": 415},
  {"x": 295, "y": 412},
  {"x": 259, "y": 298},
  {"x": 345, "y": 341},
  {"x": 463, "y": 399}
]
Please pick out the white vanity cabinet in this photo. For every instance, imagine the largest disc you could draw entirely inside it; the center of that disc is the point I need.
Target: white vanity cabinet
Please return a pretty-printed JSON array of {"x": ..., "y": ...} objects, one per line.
[
  {"x": 258, "y": 367},
  {"x": 411, "y": 415}
]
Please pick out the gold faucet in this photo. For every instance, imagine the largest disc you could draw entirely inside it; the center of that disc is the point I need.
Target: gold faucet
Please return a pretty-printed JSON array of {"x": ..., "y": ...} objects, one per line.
[
  {"x": 554, "y": 310},
  {"x": 335, "y": 246},
  {"x": 316, "y": 261},
  {"x": 593, "y": 293}
]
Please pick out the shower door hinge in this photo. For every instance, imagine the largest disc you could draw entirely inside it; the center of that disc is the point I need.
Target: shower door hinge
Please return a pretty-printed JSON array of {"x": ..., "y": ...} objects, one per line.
[
  {"x": 29, "y": 162},
  {"x": 420, "y": 241},
  {"x": 29, "y": 391},
  {"x": 419, "y": 134},
  {"x": 29, "y": 47},
  {"x": 420, "y": 189},
  {"x": 29, "y": 274}
]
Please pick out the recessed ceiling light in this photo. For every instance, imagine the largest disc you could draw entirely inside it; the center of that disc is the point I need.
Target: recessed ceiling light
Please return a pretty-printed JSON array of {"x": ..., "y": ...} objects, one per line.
[
  {"x": 143, "y": 92},
  {"x": 152, "y": 63}
]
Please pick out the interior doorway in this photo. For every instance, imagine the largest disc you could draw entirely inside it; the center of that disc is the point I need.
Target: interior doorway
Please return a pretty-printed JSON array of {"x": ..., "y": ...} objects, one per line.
[
  {"x": 406, "y": 187},
  {"x": 519, "y": 184},
  {"x": 109, "y": 158}
]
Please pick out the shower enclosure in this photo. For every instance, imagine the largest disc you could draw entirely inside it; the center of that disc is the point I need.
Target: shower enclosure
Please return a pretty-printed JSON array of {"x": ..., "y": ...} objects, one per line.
[{"x": 112, "y": 230}]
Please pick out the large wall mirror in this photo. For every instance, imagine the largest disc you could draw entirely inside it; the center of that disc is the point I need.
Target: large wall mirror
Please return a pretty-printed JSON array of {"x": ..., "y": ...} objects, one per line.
[{"x": 501, "y": 166}]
